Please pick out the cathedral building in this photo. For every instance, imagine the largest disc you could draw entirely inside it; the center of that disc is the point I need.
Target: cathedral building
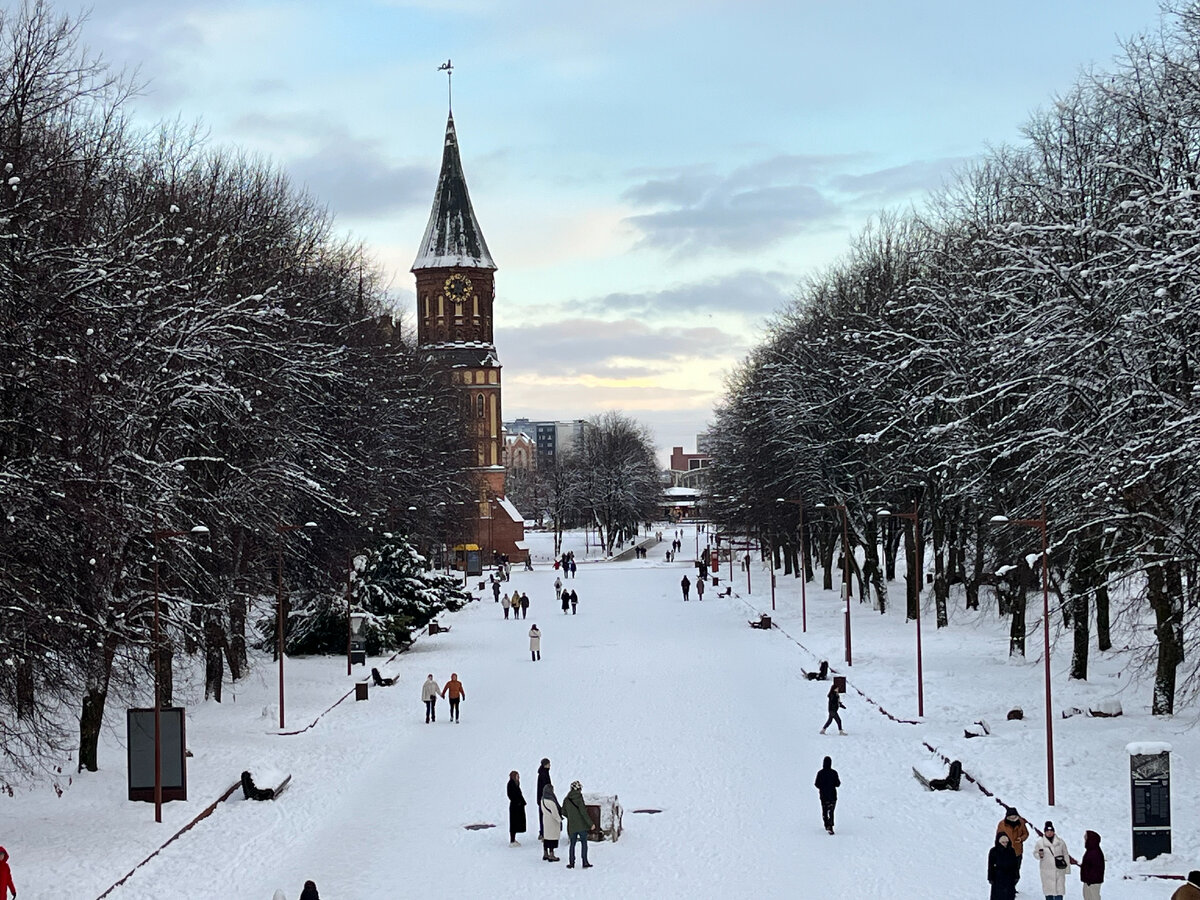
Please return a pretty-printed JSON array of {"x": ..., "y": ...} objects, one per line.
[{"x": 456, "y": 292}]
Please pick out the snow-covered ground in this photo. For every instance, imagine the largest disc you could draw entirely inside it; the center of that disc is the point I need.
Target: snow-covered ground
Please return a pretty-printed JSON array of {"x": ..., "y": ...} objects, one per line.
[{"x": 672, "y": 706}]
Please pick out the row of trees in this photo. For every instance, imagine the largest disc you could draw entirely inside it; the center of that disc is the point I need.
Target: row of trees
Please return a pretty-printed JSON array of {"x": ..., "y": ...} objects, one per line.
[
  {"x": 183, "y": 340},
  {"x": 1031, "y": 336},
  {"x": 609, "y": 481}
]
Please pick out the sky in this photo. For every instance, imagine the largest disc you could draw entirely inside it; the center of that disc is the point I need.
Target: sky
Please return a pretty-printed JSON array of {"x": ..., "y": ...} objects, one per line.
[{"x": 654, "y": 178}]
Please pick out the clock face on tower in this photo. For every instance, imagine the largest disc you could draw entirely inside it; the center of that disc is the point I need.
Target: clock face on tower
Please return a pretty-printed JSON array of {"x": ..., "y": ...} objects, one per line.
[{"x": 458, "y": 289}]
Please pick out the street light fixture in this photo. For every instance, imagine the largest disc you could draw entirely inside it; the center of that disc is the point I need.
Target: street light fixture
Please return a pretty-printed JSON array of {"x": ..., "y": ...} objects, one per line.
[
  {"x": 160, "y": 535},
  {"x": 1040, "y": 525},
  {"x": 279, "y": 614},
  {"x": 845, "y": 570},
  {"x": 803, "y": 564},
  {"x": 919, "y": 574}
]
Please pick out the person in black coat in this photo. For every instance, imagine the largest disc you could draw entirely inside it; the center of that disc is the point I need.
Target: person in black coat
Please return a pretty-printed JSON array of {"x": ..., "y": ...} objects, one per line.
[
  {"x": 1002, "y": 869},
  {"x": 516, "y": 808},
  {"x": 827, "y": 783},
  {"x": 310, "y": 891},
  {"x": 543, "y": 779},
  {"x": 834, "y": 704}
]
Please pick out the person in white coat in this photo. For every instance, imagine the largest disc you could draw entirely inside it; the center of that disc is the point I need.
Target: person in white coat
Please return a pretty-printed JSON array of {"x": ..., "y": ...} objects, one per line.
[
  {"x": 535, "y": 643},
  {"x": 505, "y": 603},
  {"x": 430, "y": 691},
  {"x": 1054, "y": 862},
  {"x": 551, "y": 823}
]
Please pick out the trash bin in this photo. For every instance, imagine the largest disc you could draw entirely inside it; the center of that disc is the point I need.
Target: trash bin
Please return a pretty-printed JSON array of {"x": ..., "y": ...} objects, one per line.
[
  {"x": 716, "y": 580},
  {"x": 839, "y": 683},
  {"x": 360, "y": 690}
]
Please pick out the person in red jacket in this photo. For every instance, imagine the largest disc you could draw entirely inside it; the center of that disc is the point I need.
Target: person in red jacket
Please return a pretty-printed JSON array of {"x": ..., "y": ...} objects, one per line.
[
  {"x": 6, "y": 882},
  {"x": 1091, "y": 867}
]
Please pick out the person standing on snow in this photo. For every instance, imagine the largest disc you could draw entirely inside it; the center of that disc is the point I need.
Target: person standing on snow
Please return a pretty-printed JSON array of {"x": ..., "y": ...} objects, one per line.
[
  {"x": 516, "y": 808},
  {"x": 457, "y": 693},
  {"x": 310, "y": 891},
  {"x": 543, "y": 779},
  {"x": 557, "y": 588},
  {"x": 1091, "y": 867},
  {"x": 579, "y": 823},
  {"x": 6, "y": 882},
  {"x": 699, "y": 588},
  {"x": 566, "y": 602},
  {"x": 505, "y": 604},
  {"x": 496, "y": 589},
  {"x": 573, "y": 569},
  {"x": 827, "y": 784},
  {"x": 535, "y": 643},
  {"x": 429, "y": 693},
  {"x": 574, "y": 601},
  {"x": 834, "y": 702},
  {"x": 1017, "y": 830},
  {"x": 551, "y": 823},
  {"x": 524, "y": 605},
  {"x": 1054, "y": 862},
  {"x": 1002, "y": 869},
  {"x": 685, "y": 584}
]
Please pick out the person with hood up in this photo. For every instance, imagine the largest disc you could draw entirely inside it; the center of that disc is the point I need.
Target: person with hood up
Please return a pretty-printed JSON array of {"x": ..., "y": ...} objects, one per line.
[
  {"x": 310, "y": 891},
  {"x": 1017, "y": 830},
  {"x": 699, "y": 588},
  {"x": 429, "y": 693},
  {"x": 566, "y": 602},
  {"x": 535, "y": 643},
  {"x": 834, "y": 703},
  {"x": 686, "y": 585},
  {"x": 827, "y": 784},
  {"x": 524, "y": 606},
  {"x": 551, "y": 824},
  {"x": 579, "y": 823},
  {"x": 458, "y": 693},
  {"x": 516, "y": 808},
  {"x": 574, "y": 602},
  {"x": 1190, "y": 891},
  {"x": 6, "y": 882},
  {"x": 1091, "y": 867},
  {"x": 557, "y": 588},
  {"x": 543, "y": 779},
  {"x": 1054, "y": 862},
  {"x": 1002, "y": 869}
]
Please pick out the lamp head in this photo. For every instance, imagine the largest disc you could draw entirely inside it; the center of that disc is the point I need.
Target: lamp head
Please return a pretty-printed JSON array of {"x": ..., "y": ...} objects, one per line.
[{"x": 999, "y": 520}]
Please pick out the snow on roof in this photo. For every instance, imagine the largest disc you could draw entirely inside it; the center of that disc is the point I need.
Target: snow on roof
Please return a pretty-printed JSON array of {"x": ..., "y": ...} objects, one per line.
[
  {"x": 681, "y": 492},
  {"x": 1147, "y": 748},
  {"x": 452, "y": 236},
  {"x": 508, "y": 507}
]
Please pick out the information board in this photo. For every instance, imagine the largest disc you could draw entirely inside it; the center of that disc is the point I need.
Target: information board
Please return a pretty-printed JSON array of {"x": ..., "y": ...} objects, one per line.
[{"x": 1150, "y": 789}]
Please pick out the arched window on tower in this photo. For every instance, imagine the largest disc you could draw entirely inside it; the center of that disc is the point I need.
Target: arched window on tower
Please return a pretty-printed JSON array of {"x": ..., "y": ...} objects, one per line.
[{"x": 479, "y": 406}]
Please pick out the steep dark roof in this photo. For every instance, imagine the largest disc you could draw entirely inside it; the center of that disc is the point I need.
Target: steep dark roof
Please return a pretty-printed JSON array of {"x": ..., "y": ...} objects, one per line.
[{"x": 453, "y": 236}]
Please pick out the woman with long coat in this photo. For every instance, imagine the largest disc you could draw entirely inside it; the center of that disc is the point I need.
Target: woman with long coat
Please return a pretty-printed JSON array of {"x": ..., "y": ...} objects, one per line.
[
  {"x": 516, "y": 808},
  {"x": 551, "y": 824},
  {"x": 1047, "y": 851},
  {"x": 535, "y": 643},
  {"x": 1002, "y": 869}
]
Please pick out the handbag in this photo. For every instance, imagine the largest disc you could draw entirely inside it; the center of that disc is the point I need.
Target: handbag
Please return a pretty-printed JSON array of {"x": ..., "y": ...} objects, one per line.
[{"x": 1059, "y": 862}]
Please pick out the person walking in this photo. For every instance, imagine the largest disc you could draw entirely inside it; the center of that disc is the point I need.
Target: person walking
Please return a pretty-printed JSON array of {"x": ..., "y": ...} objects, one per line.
[
  {"x": 1190, "y": 891},
  {"x": 574, "y": 601},
  {"x": 700, "y": 588},
  {"x": 557, "y": 588},
  {"x": 551, "y": 823},
  {"x": 573, "y": 568},
  {"x": 505, "y": 603},
  {"x": 1091, "y": 867},
  {"x": 6, "y": 881},
  {"x": 310, "y": 891},
  {"x": 1002, "y": 869},
  {"x": 457, "y": 694},
  {"x": 1017, "y": 830},
  {"x": 524, "y": 605},
  {"x": 429, "y": 693},
  {"x": 543, "y": 779},
  {"x": 535, "y": 643},
  {"x": 827, "y": 784},
  {"x": 566, "y": 602},
  {"x": 516, "y": 808},
  {"x": 834, "y": 703},
  {"x": 579, "y": 823},
  {"x": 496, "y": 589},
  {"x": 1054, "y": 862},
  {"x": 685, "y": 584}
]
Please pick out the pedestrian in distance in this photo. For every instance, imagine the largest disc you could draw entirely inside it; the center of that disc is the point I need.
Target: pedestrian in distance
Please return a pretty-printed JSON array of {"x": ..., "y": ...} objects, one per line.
[
  {"x": 6, "y": 880},
  {"x": 1017, "y": 829},
  {"x": 700, "y": 589},
  {"x": 574, "y": 601},
  {"x": 496, "y": 589},
  {"x": 543, "y": 779},
  {"x": 535, "y": 643},
  {"x": 524, "y": 605},
  {"x": 1054, "y": 862},
  {"x": 579, "y": 823},
  {"x": 685, "y": 584},
  {"x": 827, "y": 784},
  {"x": 1002, "y": 869},
  {"x": 310, "y": 891},
  {"x": 834, "y": 703},
  {"x": 551, "y": 824},
  {"x": 557, "y": 588},
  {"x": 505, "y": 604},
  {"x": 573, "y": 569},
  {"x": 566, "y": 602},
  {"x": 429, "y": 693},
  {"x": 1190, "y": 891},
  {"x": 516, "y": 808},
  {"x": 1091, "y": 867},
  {"x": 457, "y": 693}
]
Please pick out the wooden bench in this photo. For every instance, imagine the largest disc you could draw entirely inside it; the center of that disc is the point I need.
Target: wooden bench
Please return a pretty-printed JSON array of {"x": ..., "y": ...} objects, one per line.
[
  {"x": 764, "y": 622},
  {"x": 435, "y": 628}
]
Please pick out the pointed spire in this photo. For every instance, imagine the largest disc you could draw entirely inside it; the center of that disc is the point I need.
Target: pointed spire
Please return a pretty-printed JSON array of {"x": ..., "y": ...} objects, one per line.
[{"x": 453, "y": 236}]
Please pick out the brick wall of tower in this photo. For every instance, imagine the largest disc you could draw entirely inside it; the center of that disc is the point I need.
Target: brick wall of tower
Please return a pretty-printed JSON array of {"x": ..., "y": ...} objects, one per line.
[{"x": 437, "y": 322}]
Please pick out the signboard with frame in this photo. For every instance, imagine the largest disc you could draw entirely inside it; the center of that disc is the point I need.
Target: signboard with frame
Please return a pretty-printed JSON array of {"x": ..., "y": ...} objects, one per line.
[{"x": 139, "y": 741}]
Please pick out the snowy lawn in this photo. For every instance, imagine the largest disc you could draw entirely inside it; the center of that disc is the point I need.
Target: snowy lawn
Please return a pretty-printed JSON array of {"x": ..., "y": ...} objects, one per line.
[{"x": 672, "y": 706}]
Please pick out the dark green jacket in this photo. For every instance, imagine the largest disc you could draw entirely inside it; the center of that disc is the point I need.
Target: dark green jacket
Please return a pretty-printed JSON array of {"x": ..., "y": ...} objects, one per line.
[{"x": 576, "y": 811}]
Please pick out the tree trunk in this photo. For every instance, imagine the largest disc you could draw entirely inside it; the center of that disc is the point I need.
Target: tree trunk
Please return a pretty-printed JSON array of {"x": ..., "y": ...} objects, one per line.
[
  {"x": 26, "y": 697},
  {"x": 1016, "y": 637},
  {"x": 976, "y": 578},
  {"x": 214, "y": 665},
  {"x": 1168, "y": 621},
  {"x": 912, "y": 578},
  {"x": 872, "y": 574},
  {"x": 941, "y": 590},
  {"x": 238, "y": 660},
  {"x": 1103, "y": 632},
  {"x": 827, "y": 548},
  {"x": 162, "y": 660},
  {"x": 92, "y": 715}
]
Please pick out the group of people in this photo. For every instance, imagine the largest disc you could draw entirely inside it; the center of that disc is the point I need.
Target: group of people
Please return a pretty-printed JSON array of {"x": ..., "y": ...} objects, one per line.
[
  {"x": 685, "y": 585},
  {"x": 431, "y": 691},
  {"x": 567, "y": 563},
  {"x": 518, "y": 603},
  {"x": 1054, "y": 860},
  {"x": 551, "y": 814}
]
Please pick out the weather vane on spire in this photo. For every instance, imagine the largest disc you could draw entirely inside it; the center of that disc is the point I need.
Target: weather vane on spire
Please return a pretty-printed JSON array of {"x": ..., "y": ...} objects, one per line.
[{"x": 448, "y": 68}]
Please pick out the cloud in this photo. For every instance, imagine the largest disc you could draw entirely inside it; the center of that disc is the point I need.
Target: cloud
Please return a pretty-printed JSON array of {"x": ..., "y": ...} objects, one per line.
[
  {"x": 746, "y": 292},
  {"x": 898, "y": 182}
]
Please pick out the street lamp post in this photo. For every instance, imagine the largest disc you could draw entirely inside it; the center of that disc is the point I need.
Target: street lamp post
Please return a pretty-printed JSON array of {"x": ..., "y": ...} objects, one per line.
[
  {"x": 159, "y": 535},
  {"x": 845, "y": 570},
  {"x": 279, "y": 616},
  {"x": 803, "y": 564},
  {"x": 1040, "y": 525},
  {"x": 918, "y": 574}
]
